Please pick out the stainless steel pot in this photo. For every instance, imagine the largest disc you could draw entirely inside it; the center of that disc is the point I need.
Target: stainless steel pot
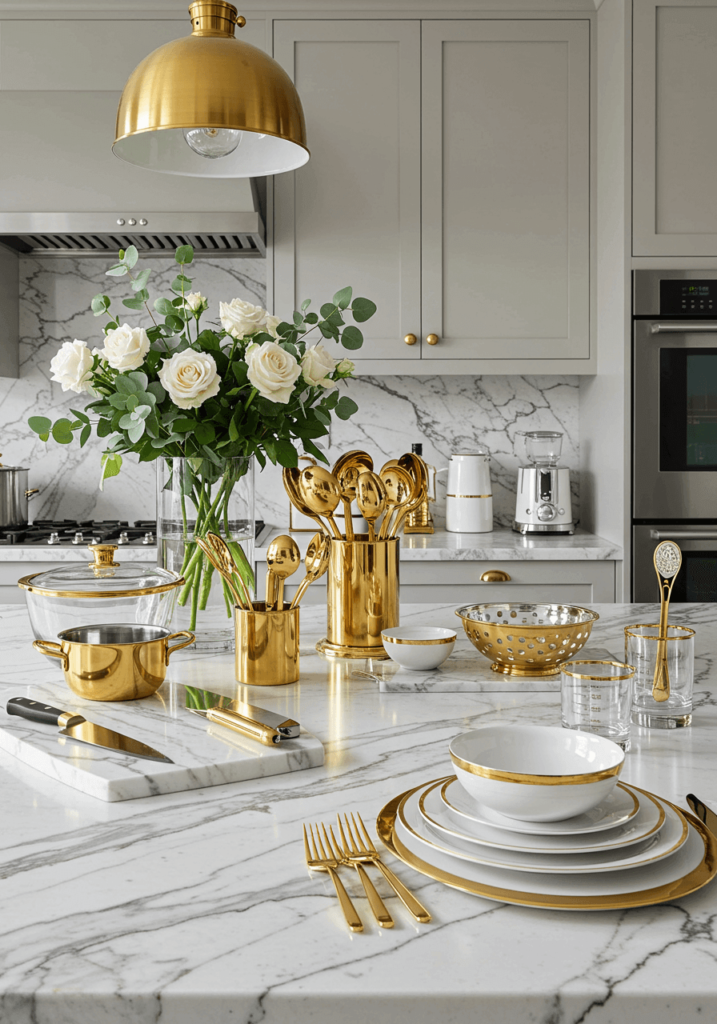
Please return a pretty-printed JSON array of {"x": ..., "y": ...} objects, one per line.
[{"x": 14, "y": 494}]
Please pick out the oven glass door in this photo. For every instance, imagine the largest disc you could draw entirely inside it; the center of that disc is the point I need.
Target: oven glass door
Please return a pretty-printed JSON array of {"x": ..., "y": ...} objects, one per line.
[{"x": 675, "y": 421}]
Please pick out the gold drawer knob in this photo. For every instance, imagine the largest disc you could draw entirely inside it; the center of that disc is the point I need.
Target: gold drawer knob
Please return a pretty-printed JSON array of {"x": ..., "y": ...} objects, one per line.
[
  {"x": 432, "y": 339},
  {"x": 495, "y": 576},
  {"x": 410, "y": 339}
]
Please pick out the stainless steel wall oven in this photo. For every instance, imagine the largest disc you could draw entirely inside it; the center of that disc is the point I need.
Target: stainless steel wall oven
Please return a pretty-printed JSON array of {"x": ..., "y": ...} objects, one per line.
[{"x": 675, "y": 428}]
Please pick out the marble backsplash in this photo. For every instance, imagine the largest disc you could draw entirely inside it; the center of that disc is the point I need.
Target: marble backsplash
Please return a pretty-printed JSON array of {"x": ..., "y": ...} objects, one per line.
[{"x": 445, "y": 413}]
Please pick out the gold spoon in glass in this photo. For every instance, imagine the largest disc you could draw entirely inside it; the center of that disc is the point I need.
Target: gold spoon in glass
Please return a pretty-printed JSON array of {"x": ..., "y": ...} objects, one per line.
[
  {"x": 316, "y": 562},
  {"x": 319, "y": 490},
  {"x": 283, "y": 558},
  {"x": 371, "y": 499},
  {"x": 667, "y": 559}
]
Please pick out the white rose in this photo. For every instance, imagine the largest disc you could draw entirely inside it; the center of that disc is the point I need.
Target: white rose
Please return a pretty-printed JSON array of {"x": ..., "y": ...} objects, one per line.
[
  {"x": 272, "y": 371},
  {"x": 125, "y": 347},
  {"x": 71, "y": 366},
  {"x": 316, "y": 366},
  {"x": 195, "y": 301},
  {"x": 272, "y": 322},
  {"x": 346, "y": 367},
  {"x": 242, "y": 319},
  {"x": 190, "y": 378}
]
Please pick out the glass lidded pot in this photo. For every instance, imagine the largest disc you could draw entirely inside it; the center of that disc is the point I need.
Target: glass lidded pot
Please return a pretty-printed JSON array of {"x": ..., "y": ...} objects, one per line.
[{"x": 102, "y": 591}]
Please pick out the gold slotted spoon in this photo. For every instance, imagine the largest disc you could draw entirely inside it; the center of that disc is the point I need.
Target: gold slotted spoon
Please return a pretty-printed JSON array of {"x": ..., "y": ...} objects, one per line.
[{"x": 667, "y": 559}]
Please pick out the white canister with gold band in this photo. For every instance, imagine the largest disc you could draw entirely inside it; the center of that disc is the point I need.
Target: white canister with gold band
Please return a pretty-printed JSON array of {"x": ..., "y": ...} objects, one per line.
[{"x": 469, "y": 494}]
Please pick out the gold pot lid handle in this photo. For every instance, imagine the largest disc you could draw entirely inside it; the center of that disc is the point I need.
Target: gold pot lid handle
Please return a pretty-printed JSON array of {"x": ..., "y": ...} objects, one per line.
[{"x": 104, "y": 555}]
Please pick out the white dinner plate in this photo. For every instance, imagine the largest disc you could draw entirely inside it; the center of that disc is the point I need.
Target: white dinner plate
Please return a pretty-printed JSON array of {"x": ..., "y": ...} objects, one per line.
[
  {"x": 663, "y": 843},
  {"x": 439, "y": 816},
  {"x": 618, "y": 808},
  {"x": 687, "y": 870}
]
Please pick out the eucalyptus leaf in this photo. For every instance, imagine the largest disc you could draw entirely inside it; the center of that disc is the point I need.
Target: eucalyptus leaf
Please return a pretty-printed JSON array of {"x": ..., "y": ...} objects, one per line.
[
  {"x": 184, "y": 254},
  {"x": 342, "y": 298},
  {"x": 130, "y": 257},
  {"x": 352, "y": 338},
  {"x": 111, "y": 465},
  {"x": 305, "y": 305},
  {"x": 163, "y": 306},
  {"x": 345, "y": 407},
  {"x": 40, "y": 424},
  {"x": 136, "y": 303},
  {"x": 136, "y": 431},
  {"x": 118, "y": 271},
  {"x": 362, "y": 309},
  {"x": 140, "y": 280}
]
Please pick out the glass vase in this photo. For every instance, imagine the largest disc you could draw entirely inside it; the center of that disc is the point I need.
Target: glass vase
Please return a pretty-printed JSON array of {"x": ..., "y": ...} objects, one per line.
[{"x": 197, "y": 496}]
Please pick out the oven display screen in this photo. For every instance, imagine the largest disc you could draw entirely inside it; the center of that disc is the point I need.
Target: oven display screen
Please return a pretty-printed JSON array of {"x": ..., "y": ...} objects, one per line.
[{"x": 688, "y": 298}]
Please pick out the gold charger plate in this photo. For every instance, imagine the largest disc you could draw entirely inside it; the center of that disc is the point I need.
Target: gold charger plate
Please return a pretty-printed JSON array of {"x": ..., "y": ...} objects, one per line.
[{"x": 692, "y": 880}]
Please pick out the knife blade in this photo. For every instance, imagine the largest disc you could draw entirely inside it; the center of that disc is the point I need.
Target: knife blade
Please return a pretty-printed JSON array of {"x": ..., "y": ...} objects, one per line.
[
  {"x": 78, "y": 728},
  {"x": 703, "y": 812},
  {"x": 259, "y": 724}
]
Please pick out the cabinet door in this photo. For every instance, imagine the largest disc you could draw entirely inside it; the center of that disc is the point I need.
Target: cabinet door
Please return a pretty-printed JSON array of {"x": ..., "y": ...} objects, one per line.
[
  {"x": 506, "y": 190},
  {"x": 351, "y": 216},
  {"x": 674, "y": 128}
]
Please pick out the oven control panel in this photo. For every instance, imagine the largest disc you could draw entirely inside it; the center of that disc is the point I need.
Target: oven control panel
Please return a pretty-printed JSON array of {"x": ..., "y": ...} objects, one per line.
[{"x": 688, "y": 298}]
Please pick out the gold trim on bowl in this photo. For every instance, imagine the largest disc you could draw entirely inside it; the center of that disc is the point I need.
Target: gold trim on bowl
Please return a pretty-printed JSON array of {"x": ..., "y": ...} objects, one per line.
[
  {"x": 565, "y": 669},
  {"x": 418, "y": 643},
  {"x": 527, "y": 779},
  {"x": 26, "y": 584},
  {"x": 693, "y": 880}
]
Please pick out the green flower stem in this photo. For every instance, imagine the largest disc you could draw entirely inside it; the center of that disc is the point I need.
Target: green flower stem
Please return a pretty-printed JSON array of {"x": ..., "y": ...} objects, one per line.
[{"x": 206, "y": 585}]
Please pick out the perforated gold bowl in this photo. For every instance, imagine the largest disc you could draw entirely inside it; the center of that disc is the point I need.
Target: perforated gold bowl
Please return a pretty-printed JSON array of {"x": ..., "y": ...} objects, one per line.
[{"x": 527, "y": 639}]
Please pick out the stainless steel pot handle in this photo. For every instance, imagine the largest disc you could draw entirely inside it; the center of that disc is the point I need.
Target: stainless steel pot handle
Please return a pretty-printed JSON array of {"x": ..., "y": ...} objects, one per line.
[
  {"x": 683, "y": 535},
  {"x": 33, "y": 490},
  {"x": 52, "y": 650},
  {"x": 681, "y": 326}
]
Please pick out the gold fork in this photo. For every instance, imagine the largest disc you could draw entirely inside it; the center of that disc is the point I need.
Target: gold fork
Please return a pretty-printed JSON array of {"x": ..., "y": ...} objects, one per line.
[
  {"x": 318, "y": 860},
  {"x": 347, "y": 853},
  {"x": 362, "y": 849}
]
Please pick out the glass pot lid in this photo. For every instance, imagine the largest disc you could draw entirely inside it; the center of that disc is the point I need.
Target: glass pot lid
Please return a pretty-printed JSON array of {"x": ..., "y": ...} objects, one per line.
[{"x": 103, "y": 577}]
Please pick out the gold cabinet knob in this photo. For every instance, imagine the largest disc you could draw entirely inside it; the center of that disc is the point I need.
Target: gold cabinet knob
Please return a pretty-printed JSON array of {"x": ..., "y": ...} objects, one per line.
[
  {"x": 495, "y": 576},
  {"x": 410, "y": 339},
  {"x": 432, "y": 339}
]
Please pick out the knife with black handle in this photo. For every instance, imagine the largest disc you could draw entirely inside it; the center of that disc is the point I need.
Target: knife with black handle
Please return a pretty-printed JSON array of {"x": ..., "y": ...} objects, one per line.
[{"x": 78, "y": 728}]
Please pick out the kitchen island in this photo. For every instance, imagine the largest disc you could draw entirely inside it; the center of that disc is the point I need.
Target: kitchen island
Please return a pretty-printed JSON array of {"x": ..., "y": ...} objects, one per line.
[{"x": 197, "y": 908}]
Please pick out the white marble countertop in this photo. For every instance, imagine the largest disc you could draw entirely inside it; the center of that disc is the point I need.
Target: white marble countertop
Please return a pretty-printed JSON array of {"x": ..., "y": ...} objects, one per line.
[{"x": 197, "y": 906}]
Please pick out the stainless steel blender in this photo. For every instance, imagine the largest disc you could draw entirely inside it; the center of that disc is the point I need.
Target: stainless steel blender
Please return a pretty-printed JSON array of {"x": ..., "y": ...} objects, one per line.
[{"x": 543, "y": 504}]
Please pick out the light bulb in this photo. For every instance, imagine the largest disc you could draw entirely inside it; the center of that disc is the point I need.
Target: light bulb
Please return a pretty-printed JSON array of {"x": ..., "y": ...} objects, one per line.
[{"x": 212, "y": 142}]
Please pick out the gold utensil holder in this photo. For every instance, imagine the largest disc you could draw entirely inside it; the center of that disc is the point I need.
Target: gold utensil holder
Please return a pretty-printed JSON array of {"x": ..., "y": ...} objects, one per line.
[
  {"x": 362, "y": 596},
  {"x": 267, "y": 645}
]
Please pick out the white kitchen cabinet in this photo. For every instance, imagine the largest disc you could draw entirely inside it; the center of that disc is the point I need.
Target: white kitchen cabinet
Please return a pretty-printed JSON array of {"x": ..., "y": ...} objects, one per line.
[
  {"x": 490, "y": 255},
  {"x": 674, "y": 127},
  {"x": 60, "y": 84}
]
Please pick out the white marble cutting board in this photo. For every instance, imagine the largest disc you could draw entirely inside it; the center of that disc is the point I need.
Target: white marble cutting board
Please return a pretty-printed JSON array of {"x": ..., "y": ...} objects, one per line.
[{"x": 204, "y": 754}]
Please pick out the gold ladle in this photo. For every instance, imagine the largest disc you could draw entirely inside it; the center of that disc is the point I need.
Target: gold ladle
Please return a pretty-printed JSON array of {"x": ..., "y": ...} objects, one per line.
[
  {"x": 399, "y": 487},
  {"x": 316, "y": 562},
  {"x": 291, "y": 486},
  {"x": 283, "y": 558},
  {"x": 371, "y": 499},
  {"x": 319, "y": 490},
  {"x": 667, "y": 560},
  {"x": 346, "y": 470}
]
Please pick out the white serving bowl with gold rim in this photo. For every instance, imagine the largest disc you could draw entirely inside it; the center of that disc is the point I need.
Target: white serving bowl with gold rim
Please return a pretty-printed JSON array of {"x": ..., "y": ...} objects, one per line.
[
  {"x": 418, "y": 648},
  {"x": 536, "y": 773}
]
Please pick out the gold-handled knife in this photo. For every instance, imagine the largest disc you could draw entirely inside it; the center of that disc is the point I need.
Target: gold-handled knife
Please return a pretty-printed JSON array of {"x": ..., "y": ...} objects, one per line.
[
  {"x": 259, "y": 724},
  {"x": 703, "y": 812},
  {"x": 78, "y": 728}
]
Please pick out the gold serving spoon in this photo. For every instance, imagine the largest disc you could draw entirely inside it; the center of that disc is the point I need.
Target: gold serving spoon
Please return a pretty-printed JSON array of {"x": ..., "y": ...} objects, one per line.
[
  {"x": 319, "y": 490},
  {"x": 416, "y": 469},
  {"x": 291, "y": 486},
  {"x": 316, "y": 562},
  {"x": 283, "y": 558},
  {"x": 399, "y": 486},
  {"x": 371, "y": 499},
  {"x": 667, "y": 559},
  {"x": 219, "y": 554},
  {"x": 347, "y": 469}
]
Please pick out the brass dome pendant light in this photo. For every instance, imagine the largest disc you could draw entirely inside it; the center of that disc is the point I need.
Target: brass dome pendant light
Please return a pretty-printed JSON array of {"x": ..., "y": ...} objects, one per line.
[{"x": 210, "y": 105}]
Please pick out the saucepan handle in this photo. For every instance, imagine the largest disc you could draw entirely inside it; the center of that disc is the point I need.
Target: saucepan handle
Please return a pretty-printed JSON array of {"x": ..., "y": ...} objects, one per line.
[
  {"x": 52, "y": 650},
  {"x": 178, "y": 647}
]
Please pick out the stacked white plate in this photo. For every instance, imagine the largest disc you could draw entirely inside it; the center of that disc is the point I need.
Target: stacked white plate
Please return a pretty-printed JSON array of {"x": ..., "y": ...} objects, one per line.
[{"x": 632, "y": 850}]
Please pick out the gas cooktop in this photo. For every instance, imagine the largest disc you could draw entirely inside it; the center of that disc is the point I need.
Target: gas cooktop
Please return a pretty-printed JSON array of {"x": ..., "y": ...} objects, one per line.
[{"x": 67, "y": 532}]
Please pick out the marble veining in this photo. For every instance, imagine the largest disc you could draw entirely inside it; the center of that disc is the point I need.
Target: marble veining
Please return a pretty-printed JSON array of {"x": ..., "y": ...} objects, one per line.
[
  {"x": 445, "y": 413},
  {"x": 197, "y": 906}
]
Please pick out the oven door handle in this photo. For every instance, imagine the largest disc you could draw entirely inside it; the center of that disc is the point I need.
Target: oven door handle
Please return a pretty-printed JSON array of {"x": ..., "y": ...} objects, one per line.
[
  {"x": 683, "y": 535},
  {"x": 682, "y": 326}
]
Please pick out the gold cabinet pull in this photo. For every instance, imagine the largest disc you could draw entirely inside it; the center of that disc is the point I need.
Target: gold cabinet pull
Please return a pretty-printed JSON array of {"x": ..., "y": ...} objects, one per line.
[
  {"x": 432, "y": 339},
  {"x": 495, "y": 576},
  {"x": 410, "y": 339}
]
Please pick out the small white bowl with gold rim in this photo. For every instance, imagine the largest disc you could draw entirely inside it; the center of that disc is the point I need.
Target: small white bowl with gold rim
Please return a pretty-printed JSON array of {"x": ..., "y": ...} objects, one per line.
[
  {"x": 536, "y": 773},
  {"x": 418, "y": 648}
]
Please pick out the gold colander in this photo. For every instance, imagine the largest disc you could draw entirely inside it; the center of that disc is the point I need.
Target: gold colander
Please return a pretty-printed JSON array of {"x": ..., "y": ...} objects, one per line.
[{"x": 527, "y": 639}]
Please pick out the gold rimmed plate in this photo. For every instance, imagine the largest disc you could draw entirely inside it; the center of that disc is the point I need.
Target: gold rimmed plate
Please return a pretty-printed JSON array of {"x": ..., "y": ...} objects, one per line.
[
  {"x": 439, "y": 815},
  {"x": 620, "y": 806},
  {"x": 690, "y": 868},
  {"x": 412, "y": 827}
]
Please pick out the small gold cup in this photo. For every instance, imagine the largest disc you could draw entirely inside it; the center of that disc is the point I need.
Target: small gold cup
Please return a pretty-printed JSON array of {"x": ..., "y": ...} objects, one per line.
[
  {"x": 362, "y": 596},
  {"x": 267, "y": 645}
]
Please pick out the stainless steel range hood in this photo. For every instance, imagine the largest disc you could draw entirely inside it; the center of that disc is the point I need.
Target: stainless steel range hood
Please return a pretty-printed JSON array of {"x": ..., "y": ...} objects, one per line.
[{"x": 211, "y": 233}]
